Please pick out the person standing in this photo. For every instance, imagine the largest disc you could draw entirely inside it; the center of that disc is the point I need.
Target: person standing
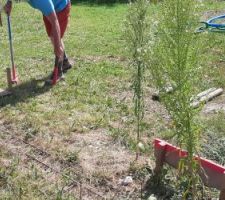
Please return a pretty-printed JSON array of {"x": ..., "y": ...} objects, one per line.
[{"x": 56, "y": 15}]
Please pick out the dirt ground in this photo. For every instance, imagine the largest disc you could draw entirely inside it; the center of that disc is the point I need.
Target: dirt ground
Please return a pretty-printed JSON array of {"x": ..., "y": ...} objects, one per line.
[
  {"x": 100, "y": 164},
  {"x": 212, "y": 13},
  {"x": 96, "y": 165}
]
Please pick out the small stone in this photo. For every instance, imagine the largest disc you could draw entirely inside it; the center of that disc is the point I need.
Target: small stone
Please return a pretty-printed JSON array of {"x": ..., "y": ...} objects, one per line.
[
  {"x": 152, "y": 197},
  {"x": 127, "y": 181},
  {"x": 141, "y": 146},
  {"x": 125, "y": 119}
]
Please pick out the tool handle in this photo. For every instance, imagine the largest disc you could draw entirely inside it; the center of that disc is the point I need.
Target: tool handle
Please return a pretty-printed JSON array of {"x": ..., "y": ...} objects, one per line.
[{"x": 10, "y": 40}]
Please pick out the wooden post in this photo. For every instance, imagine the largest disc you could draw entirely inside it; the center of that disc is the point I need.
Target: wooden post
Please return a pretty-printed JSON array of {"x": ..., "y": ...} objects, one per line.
[
  {"x": 160, "y": 157},
  {"x": 222, "y": 195}
]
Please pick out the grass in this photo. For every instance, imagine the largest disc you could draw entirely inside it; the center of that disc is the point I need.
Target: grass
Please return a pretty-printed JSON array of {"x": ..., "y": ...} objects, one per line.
[
  {"x": 86, "y": 102},
  {"x": 96, "y": 95},
  {"x": 86, "y": 87}
]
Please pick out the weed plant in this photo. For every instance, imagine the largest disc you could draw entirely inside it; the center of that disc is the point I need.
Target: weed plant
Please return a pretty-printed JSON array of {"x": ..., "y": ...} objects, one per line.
[
  {"x": 173, "y": 63},
  {"x": 136, "y": 35},
  {"x": 172, "y": 56}
]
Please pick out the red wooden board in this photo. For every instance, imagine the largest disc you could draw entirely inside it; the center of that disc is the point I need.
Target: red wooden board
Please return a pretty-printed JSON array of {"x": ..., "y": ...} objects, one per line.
[{"x": 160, "y": 144}]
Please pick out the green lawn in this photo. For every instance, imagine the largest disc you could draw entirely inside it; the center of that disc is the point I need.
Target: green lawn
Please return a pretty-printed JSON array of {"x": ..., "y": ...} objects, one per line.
[
  {"x": 96, "y": 95},
  {"x": 95, "y": 32},
  {"x": 86, "y": 101}
]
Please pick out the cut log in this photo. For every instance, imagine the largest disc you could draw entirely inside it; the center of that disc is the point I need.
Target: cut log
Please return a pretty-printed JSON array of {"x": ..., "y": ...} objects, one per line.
[
  {"x": 201, "y": 98},
  {"x": 207, "y": 97},
  {"x": 200, "y": 95}
]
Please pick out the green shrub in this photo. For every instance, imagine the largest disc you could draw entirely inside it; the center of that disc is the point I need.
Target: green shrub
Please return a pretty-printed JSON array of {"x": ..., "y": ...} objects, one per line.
[
  {"x": 172, "y": 61},
  {"x": 136, "y": 34}
]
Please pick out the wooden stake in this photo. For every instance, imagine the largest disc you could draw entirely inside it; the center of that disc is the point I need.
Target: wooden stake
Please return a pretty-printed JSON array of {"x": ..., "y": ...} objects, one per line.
[{"x": 222, "y": 195}]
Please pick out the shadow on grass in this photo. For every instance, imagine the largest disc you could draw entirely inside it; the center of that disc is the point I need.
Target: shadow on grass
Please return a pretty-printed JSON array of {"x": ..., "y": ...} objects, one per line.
[
  {"x": 109, "y": 3},
  {"x": 24, "y": 91},
  {"x": 159, "y": 187}
]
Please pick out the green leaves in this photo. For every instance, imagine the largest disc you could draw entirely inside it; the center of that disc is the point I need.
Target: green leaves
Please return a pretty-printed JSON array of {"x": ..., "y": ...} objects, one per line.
[
  {"x": 136, "y": 35},
  {"x": 173, "y": 62}
]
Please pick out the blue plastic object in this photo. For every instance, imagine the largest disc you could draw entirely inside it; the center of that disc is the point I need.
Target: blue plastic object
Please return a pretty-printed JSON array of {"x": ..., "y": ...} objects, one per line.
[{"x": 211, "y": 25}]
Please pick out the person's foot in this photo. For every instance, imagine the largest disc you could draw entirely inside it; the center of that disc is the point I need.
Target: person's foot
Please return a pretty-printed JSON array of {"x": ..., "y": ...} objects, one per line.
[
  {"x": 66, "y": 66},
  {"x": 56, "y": 76}
]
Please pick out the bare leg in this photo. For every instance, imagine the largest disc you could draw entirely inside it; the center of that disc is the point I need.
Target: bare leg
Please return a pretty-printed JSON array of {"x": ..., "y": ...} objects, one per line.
[
  {"x": 65, "y": 57},
  {"x": 51, "y": 38},
  {"x": 66, "y": 63}
]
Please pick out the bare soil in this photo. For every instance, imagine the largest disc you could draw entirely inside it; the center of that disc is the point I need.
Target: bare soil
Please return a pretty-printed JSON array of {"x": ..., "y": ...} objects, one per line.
[{"x": 96, "y": 170}]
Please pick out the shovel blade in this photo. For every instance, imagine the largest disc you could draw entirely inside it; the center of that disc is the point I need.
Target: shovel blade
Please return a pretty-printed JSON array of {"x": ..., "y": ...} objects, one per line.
[{"x": 12, "y": 77}]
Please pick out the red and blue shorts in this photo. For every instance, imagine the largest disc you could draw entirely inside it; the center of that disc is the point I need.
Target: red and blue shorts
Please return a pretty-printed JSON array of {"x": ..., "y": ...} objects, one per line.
[{"x": 63, "y": 19}]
